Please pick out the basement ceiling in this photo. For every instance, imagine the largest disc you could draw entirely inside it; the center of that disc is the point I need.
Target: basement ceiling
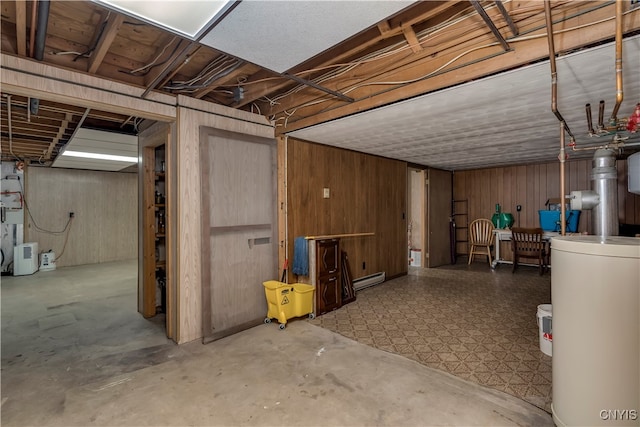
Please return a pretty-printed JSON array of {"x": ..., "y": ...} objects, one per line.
[
  {"x": 398, "y": 52},
  {"x": 500, "y": 120}
]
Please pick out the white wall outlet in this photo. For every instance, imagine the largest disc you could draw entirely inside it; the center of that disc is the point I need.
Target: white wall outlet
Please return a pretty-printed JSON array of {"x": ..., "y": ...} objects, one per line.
[{"x": 326, "y": 193}]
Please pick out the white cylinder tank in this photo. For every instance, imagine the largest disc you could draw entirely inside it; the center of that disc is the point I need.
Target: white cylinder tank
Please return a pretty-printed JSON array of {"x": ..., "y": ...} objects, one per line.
[{"x": 595, "y": 293}]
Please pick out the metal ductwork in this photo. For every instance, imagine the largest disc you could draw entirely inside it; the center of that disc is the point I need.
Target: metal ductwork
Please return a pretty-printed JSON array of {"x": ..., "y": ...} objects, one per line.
[
  {"x": 603, "y": 197},
  {"x": 604, "y": 181},
  {"x": 38, "y": 46}
]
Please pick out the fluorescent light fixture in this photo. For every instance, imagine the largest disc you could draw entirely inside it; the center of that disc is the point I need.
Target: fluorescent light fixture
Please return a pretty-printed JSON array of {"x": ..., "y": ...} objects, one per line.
[
  {"x": 100, "y": 156},
  {"x": 187, "y": 18}
]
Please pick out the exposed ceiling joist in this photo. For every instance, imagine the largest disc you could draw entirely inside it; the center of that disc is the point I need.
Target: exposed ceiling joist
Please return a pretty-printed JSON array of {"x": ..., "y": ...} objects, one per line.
[
  {"x": 406, "y": 51},
  {"x": 21, "y": 27},
  {"x": 104, "y": 41}
]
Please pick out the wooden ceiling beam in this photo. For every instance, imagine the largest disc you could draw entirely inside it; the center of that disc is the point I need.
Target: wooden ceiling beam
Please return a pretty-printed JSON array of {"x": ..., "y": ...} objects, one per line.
[
  {"x": 524, "y": 53},
  {"x": 412, "y": 39},
  {"x": 57, "y": 111},
  {"x": 164, "y": 54},
  {"x": 58, "y": 137},
  {"x": 30, "y": 129},
  {"x": 173, "y": 65},
  {"x": 21, "y": 27},
  {"x": 27, "y": 142},
  {"x": 22, "y": 113},
  {"x": 104, "y": 42}
]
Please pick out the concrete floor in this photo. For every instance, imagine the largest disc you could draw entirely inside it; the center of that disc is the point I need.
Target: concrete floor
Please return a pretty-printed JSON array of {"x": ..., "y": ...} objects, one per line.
[{"x": 75, "y": 352}]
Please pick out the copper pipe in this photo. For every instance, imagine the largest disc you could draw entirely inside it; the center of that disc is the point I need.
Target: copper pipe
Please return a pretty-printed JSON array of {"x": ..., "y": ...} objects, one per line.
[
  {"x": 561, "y": 157},
  {"x": 32, "y": 30},
  {"x": 619, "y": 94},
  {"x": 589, "y": 119},
  {"x": 554, "y": 73}
]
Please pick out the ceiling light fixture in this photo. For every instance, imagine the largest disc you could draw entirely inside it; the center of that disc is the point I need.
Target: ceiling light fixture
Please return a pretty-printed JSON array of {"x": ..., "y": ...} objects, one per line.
[
  {"x": 187, "y": 18},
  {"x": 100, "y": 156}
]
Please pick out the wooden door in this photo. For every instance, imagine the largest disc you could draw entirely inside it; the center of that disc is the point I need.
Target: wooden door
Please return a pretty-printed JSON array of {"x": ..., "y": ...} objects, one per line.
[
  {"x": 439, "y": 212},
  {"x": 239, "y": 229}
]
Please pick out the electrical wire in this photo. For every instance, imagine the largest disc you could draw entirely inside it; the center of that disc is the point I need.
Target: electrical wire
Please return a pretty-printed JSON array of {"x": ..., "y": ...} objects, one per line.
[
  {"x": 274, "y": 100},
  {"x": 66, "y": 239},
  {"x": 152, "y": 63},
  {"x": 88, "y": 53},
  {"x": 69, "y": 52},
  {"x": 33, "y": 221}
]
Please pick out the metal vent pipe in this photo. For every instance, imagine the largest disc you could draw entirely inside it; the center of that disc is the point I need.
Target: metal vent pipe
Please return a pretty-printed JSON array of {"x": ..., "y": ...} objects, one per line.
[
  {"x": 41, "y": 32},
  {"x": 604, "y": 181}
]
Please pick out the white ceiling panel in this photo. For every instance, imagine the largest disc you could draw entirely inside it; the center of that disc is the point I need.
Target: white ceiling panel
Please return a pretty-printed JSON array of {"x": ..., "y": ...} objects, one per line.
[
  {"x": 97, "y": 141},
  {"x": 279, "y": 35},
  {"x": 500, "y": 120}
]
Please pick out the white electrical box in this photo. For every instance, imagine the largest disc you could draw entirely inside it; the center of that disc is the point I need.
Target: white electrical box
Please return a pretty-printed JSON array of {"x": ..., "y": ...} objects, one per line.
[
  {"x": 25, "y": 259},
  {"x": 48, "y": 261}
]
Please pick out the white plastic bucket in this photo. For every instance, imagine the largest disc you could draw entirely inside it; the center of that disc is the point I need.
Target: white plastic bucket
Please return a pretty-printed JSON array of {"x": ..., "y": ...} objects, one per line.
[{"x": 546, "y": 338}]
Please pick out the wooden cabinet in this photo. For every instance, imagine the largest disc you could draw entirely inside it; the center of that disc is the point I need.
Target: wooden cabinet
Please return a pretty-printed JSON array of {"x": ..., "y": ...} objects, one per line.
[{"x": 328, "y": 280}]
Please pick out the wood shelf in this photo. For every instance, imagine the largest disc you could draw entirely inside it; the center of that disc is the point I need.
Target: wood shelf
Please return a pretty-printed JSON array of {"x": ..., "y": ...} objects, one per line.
[{"x": 155, "y": 242}]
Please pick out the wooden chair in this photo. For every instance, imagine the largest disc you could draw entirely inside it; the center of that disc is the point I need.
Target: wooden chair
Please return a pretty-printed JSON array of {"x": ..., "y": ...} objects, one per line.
[
  {"x": 480, "y": 238},
  {"x": 528, "y": 243}
]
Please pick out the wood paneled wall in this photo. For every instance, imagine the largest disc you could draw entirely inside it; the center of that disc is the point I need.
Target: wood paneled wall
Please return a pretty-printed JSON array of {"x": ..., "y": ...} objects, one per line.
[
  {"x": 531, "y": 186},
  {"x": 105, "y": 204},
  {"x": 367, "y": 194},
  {"x": 192, "y": 114}
]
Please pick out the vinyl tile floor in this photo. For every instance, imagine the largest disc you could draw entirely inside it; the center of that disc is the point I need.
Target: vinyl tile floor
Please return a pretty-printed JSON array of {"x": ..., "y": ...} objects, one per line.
[{"x": 470, "y": 321}]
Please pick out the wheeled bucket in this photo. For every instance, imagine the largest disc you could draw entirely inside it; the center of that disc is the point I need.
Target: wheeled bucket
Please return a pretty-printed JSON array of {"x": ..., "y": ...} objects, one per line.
[{"x": 288, "y": 300}]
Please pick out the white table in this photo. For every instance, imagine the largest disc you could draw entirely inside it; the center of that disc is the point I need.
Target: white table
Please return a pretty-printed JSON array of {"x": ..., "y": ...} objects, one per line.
[{"x": 502, "y": 235}]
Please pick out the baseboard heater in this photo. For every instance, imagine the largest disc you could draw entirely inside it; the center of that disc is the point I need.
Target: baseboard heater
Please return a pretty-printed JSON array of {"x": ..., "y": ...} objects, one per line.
[{"x": 371, "y": 280}]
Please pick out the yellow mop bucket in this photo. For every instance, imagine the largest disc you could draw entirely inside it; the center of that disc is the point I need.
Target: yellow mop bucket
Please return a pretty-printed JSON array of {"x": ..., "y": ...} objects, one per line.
[{"x": 287, "y": 300}]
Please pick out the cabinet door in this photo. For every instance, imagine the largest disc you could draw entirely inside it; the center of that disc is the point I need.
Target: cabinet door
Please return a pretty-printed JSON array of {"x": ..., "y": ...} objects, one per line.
[
  {"x": 329, "y": 293},
  {"x": 328, "y": 261},
  {"x": 328, "y": 288}
]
